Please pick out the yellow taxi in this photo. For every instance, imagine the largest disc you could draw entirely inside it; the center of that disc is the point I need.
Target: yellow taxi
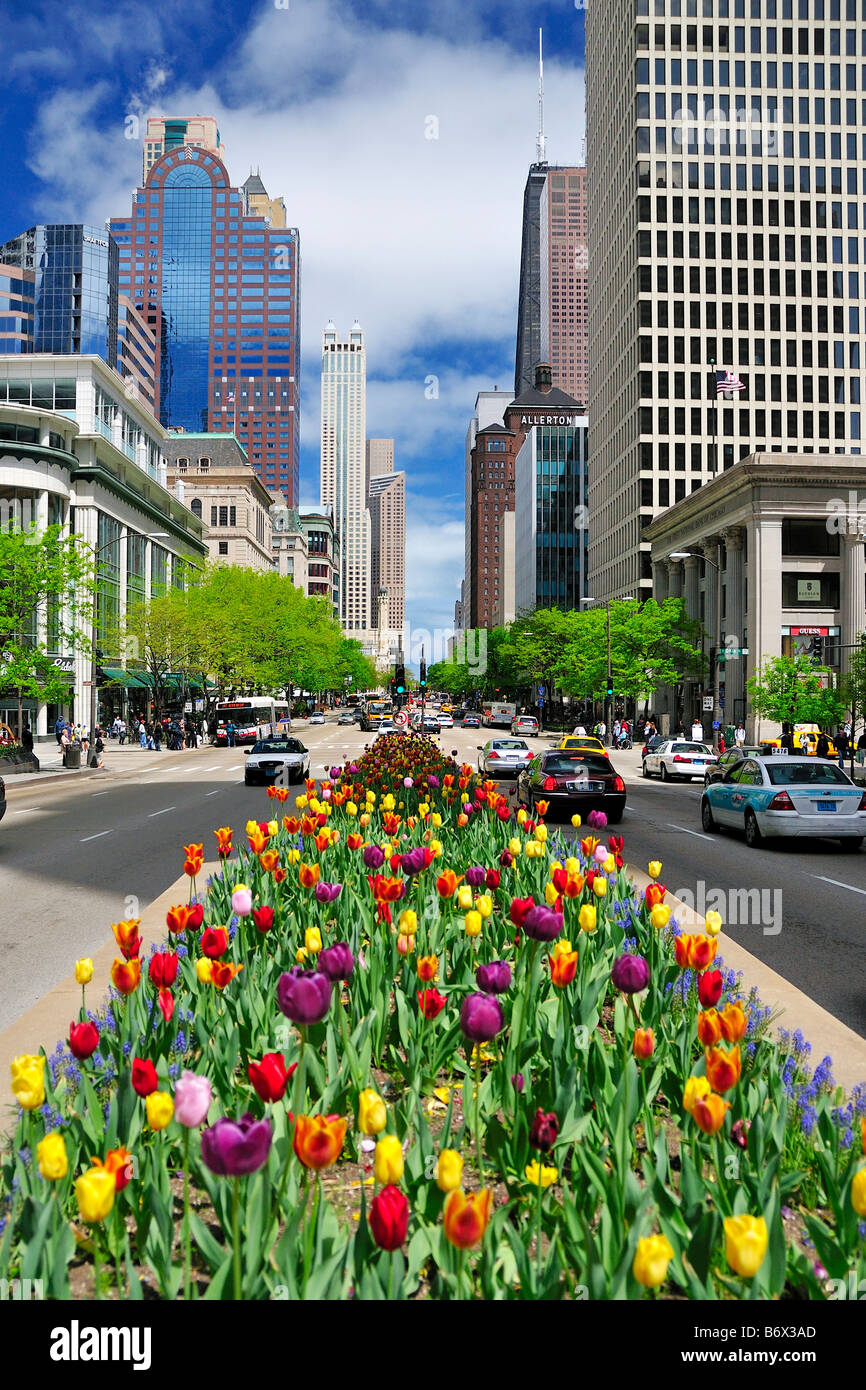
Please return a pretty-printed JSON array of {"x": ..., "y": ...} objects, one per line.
[
  {"x": 583, "y": 742},
  {"x": 805, "y": 741}
]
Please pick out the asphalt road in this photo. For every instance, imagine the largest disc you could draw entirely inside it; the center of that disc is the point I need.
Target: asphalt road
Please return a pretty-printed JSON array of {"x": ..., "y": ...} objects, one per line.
[{"x": 74, "y": 858}]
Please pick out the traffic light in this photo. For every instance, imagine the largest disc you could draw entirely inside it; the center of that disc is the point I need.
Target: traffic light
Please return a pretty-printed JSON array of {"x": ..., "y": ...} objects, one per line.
[
  {"x": 422, "y": 674},
  {"x": 609, "y": 687},
  {"x": 400, "y": 678}
]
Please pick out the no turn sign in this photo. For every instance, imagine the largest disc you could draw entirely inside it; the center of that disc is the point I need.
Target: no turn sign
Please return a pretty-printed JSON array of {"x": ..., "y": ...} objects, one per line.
[{"x": 401, "y": 718}]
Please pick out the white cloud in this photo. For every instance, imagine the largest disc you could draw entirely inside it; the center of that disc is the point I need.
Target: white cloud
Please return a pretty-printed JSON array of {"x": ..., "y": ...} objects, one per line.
[{"x": 434, "y": 556}]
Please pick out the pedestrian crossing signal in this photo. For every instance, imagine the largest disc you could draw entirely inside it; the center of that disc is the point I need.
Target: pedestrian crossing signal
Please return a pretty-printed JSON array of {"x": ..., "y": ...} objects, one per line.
[
  {"x": 422, "y": 674},
  {"x": 400, "y": 679}
]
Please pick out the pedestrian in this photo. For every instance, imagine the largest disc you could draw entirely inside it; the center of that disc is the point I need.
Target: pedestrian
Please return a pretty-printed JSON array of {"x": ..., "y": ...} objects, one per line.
[
  {"x": 697, "y": 731},
  {"x": 65, "y": 741},
  {"x": 204, "y": 730},
  {"x": 27, "y": 739},
  {"x": 740, "y": 734},
  {"x": 157, "y": 736},
  {"x": 787, "y": 740},
  {"x": 842, "y": 744},
  {"x": 721, "y": 743},
  {"x": 823, "y": 748},
  {"x": 142, "y": 732},
  {"x": 230, "y": 733},
  {"x": 59, "y": 726},
  {"x": 85, "y": 741},
  {"x": 861, "y": 748},
  {"x": 121, "y": 732}
]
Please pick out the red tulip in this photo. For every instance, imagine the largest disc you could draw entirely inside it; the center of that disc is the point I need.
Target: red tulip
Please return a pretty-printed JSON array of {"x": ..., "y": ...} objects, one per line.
[
  {"x": 144, "y": 1078},
  {"x": 163, "y": 969},
  {"x": 389, "y": 1218},
  {"x": 263, "y": 918},
  {"x": 710, "y": 987},
  {"x": 493, "y": 878},
  {"x": 214, "y": 942},
  {"x": 431, "y": 1002},
  {"x": 195, "y": 917},
  {"x": 165, "y": 999},
  {"x": 519, "y": 908},
  {"x": 83, "y": 1040},
  {"x": 269, "y": 1077}
]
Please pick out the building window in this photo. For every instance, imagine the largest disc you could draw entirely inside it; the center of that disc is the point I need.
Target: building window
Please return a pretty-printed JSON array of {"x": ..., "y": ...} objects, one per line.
[
  {"x": 223, "y": 547},
  {"x": 204, "y": 465},
  {"x": 182, "y": 465},
  {"x": 195, "y": 506}
]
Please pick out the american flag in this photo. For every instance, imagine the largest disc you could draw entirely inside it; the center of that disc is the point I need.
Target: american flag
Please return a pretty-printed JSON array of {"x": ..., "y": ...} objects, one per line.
[
  {"x": 230, "y": 396},
  {"x": 728, "y": 381}
]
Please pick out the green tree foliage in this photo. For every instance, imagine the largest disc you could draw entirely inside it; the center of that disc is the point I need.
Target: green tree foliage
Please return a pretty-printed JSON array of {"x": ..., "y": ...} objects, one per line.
[
  {"x": 479, "y": 665},
  {"x": 854, "y": 684},
  {"x": 790, "y": 691},
  {"x": 651, "y": 644}
]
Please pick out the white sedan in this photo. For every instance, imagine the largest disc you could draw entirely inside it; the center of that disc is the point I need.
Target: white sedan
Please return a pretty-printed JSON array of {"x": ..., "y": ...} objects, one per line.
[
  {"x": 280, "y": 760},
  {"x": 675, "y": 758},
  {"x": 446, "y": 720}
]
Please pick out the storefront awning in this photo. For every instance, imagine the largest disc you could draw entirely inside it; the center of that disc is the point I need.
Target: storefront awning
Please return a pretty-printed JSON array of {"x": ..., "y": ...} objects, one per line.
[{"x": 130, "y": 680}]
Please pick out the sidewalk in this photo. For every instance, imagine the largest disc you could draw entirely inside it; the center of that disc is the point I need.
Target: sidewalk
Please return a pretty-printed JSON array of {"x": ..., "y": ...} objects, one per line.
[{"x": 129, "y": 758}]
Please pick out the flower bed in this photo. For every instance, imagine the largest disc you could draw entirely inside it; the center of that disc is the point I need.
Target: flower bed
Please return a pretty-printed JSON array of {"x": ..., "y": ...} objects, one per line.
[{"x": 410, "y": 1043}]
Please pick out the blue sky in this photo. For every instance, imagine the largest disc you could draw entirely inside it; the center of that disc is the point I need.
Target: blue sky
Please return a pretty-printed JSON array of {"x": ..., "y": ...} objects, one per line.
[{"x": 417, "y": 237}]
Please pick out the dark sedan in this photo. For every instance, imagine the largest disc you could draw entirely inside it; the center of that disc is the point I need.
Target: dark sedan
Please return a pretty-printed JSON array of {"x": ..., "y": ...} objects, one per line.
[
  {"x": 719, "y": 770},
  {"x": 471, "y": 721},
  {"x": 573, "y": 781},
  {"x": 652, "y": 745}
]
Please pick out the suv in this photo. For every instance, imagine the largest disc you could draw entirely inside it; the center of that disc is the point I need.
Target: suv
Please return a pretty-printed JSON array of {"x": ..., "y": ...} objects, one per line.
[{"x": 524, "y": 724}]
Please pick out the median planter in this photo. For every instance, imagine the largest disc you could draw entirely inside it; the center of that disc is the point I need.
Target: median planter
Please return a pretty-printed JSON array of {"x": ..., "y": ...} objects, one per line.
[
  {"x": 410, "y": 1043},
  {"x": 13, "y": 761}
]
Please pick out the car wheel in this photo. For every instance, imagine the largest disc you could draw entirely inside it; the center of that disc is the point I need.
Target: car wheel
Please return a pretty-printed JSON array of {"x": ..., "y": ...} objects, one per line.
[
  {"x": 707, "y": 819},
  {"x": 666, "y": 776},
  {"x": 851, "y": 846},
  {"x": 247, "y": 782},
  {"x": 645, "y": 772},
  {"x": 753, "y": 832}
]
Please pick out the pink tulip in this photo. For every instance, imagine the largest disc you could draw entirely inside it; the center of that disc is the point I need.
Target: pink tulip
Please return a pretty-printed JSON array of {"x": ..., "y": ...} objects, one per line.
[
  {"x": 242, "y": 901},
  {"x": 192, "y": 1098}
]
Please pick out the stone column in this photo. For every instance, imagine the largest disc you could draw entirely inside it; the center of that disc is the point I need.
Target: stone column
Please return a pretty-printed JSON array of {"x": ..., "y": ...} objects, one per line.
[
  {"x": 675, "y": 579},
  {"x": 692, "y": 687},
  {"x": 660, "y": 581},
  {"x": 712, "y": 552},
  {"x": 853, "y": 597},
  {"x": 735, "y": 594}
]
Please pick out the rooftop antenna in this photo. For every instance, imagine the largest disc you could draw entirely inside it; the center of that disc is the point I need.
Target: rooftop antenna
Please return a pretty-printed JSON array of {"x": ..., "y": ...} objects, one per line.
[{"x": 540, "y": 140}]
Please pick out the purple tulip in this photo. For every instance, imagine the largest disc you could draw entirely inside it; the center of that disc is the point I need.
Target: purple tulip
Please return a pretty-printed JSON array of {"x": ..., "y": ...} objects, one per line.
[
  {"x": 327, "y": 892},
  {"x": 304, "y": 996},
  {"x": 481, "y": 1017},
  {"x": 597, "y": 819},
  {"x": 630, "y": 974},
  {"x": 335, "y": 772},
  {"x": 234, "y": 1147},
  {"x": 475, "y": 876},
  {"x": 517, "y": 1081},
  {"x": 337, "y": 962},
  {"x": 412, "y": 862},
  {"x": 373, "y": 857},
  {"x": 542, "y": 923},
  {"x": 494, "y": 978},
  {"x": 506, "y": 859},
  {"x": 433, "y": 781}
]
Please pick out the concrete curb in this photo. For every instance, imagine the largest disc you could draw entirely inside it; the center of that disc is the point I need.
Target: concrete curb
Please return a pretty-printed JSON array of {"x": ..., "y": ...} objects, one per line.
[
  {"x": 26, "y": 781},
  {"x": 826, "y": 1034}
]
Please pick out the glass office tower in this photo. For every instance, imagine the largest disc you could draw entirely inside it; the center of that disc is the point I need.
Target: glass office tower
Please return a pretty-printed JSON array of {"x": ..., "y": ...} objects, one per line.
[
  {"x": 74, "y": 270},
  {"x": 550, "y": 490}
]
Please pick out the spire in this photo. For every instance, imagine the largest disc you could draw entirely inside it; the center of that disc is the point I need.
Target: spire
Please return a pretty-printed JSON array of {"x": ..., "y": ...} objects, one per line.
[{"x": 540, "y": 157}]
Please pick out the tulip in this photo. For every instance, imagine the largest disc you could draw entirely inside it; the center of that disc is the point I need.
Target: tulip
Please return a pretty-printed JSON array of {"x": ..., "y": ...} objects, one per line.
[
  {"x": 723, "y": 1068},
  {"x": 388, "y": 1160},
  {"x": 541, "y": 924},
  {"x": 28, "y": 1081},
  {"x": 203, "y": 970},
  {"x": 466, "y": 1216},
  {"x": 540, "y": 1176},
  {"x": 733, "y": 1022},
  {"x": 195, "y": 916},
  {"x": 127, "y": 937},
  {"x": 94, "y": 1191},
  {"x": 464, "y": 897},
  {"x": 222, "y": 972},
  {"x": 194, "y": 859},
  {"x": 177, "y": 918},
  {"x": 192, "y": 1099},
  {"x": 506, "y": 859},
  {"x": 709, "y": 1028},
  {"x": 304, "y": 996},
  {"x": 405, "y": 944},
  {"x": 576, "y": 821},
  {"x": 389, "y": 1218},
  {"x": 163, "y": 968},
  {"x": 337, "y": 962},
  {"x": 427, "y": 968},
  {"x": 710, "y": 987},
  {"x": 492, "y": 879},
  {"x": 269, "y": 1077},
  {"x": 144, "y": 1078},
  {"x": 709, "y": 1113},
  {"x": 319, "y": 1139},
  {"x": 472, "y": 924},
  {"x": 740, "y": 1132},
  {"x": 224, "y": 841},
  {"x": 654, "y": 868},
  {"x": 515, "y": 846},
  {"x": 160, "y": 1108},
  {"x": 119, "y": 1163},
  {"x": 599, "y": 886},
  {"x": 858, "y": 1192},
  {"x": 449, "y": 1170},
  {"x": 651, "y": 1258},
  {"x": 83, "y": 1040},
  {"x": 312, "y": 941},
  {"x": 242, "y": 900},
  {"x": 327, "y": 892},
  {"x": 446, "y": 883},
  {"x": 696, "y": 1088},
  {"x": 494, "y": 978},
  {"x": 519, "y": 909},
  {"x": 414, "y": 861},
  {"x": 83, "y": 971},
  {"x": 563, "y": 968},
  {"x": 372, "y": 1114},
  {"x": 713, "y": 923},
  {"x": 51, "y": 1157},
  {"x": 660, "y": 916},
  {"x": 745, "y": 1244},
  {"x": 126, "y": 975},
  {"x": 481, "y": 1017},
  {"x": 263, "y": 918},
  {"x": 232, "y": 1148},
  {"x": 643, "y": 1043},
  {"x": 630, "y": 974},
  {"x": 587, "y": 918},
  {"x": 431, "y": 1002},
  {"x": 543, "y": 1131},
  {"x": 373, "y": 857},
  {"x": 654, "y": 893}
]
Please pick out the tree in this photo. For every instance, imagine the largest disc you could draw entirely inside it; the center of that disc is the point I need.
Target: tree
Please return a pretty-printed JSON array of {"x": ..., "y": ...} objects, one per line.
[
  {"x": 790, "y": 691},
  {"x": 46, "y": 592},
  {"x": 477, "y": 666},
  {"x": 854, "y": 688}
]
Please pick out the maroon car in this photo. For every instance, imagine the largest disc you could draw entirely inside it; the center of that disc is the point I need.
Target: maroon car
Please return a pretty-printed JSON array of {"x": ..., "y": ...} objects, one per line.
[{"x": 578, "y": 780}]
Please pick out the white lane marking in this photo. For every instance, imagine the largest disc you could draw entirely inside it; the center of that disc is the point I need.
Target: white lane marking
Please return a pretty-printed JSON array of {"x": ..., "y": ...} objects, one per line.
[
  {"x": 696, "y": 833},
  {"x": 836, "y": 884},
  {"x": 27, "y": 810},
  {"x": 216, "y": 767},
  {"x": 162, "y": 812},
  {"x": 99, "y": 793},
  {"x": 236, "y": 767},
  {"x": 94, "y": 837},
  {"x": 216, "y": 793}
]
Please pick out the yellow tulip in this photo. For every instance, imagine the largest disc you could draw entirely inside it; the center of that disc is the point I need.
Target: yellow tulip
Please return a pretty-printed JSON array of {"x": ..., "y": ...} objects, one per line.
[
  {"x": 313, "y": 941},
  {"x": 408, "y": 922},
  {"x": 464, "y": 796},
  {"x": 351, "y": 808},
  {"x": 696, "y": 1088},
  {"x": 294, "y": 856},
  {"x": 472, "y": 924},
  {"x": 203, "y": 970},
  {"x": 562, "y": 948},
  {"x": 484, "y": 904},
  {"x": 94, "y": 1191},
  {"x": 654, "y": 868},
  {"x": 713, "y": 923},
  {"x": 372, "y": 1115},
  {"x": 364, "y": 820},
  {"x": 388, "y": 803},
  {"x": 522, "y": 816},
  {"x": 83, "y": 971},
  {"x": 51, "y": 1157},
  {"x": 514, "y": 846},
  {"x": 423, "y": 808},
  {"x": 449, "y": 1170},
  {"x": 371, "y": 796},
  {"x": 436, "y": 820},
  {"x": 858, "y": 1192},
  {"x": 540, "y": 1176},
  {"x": 436, "y": 847},
  {"x": 588, "y": 918},
  {"x": 388, "y": 1160},
  {"x": 660, "y": 916},
  {"x": 464, "y": 897},
  {"x": 541, "y": 833},
  {"x": 599, "y": 886},
  {"x": 28, "y": 1081},
  {"x": 160, "y": 1108},
  {"x": 532, "y": 849},
  {"x": 550, "y": 894},
  {"x": 576, "y": 821},
  {"x": 572, "y": 867},
  {"x": 609, "y": 864},
  {"x": 745, "y": 1244},
  {"x": 300, "y": 955},
  {"x": 387, "y": 850},
  {"x": 301, "y": 802},
  {"x": 651, "y": 1260},
  {"x": 272, "y": 827}
]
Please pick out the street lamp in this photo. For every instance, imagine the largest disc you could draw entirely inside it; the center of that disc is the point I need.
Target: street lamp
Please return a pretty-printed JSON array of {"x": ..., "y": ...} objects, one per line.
[
  {"x": 717, "y": 633},
  {"x": 624, "y": 598}
]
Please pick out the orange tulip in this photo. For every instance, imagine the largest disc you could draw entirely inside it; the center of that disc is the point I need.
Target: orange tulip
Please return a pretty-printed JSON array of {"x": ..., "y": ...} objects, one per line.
[
  {"x": 119, "y": 1162},
  {"x": 126, "y": 975},
  {"x": 224, "y": 841},
  {"x": 354, "y": 841},
  {"x": 222, "y": 972},
  {"x": 308, "y": 826},
  {"x": 588, "y": 845},
  {"x": 292, "y": 824},
  {"x": 323, "y": 840},
  {"x": 734, "y": 1022},
  {"x": 446, "y": 883},
  {"x": 655, "y": 893},
  {"x": 269, "y": 861},
  {"x": 643, "y": 1043},
  {"x": 127, "y": 937},
  {"x": 281, "y": 794},
  {"x": 466, "y": 1216},
  {"x": 709, "y": 1028},
  {"x": 722, "y": 1068},
  {"x": 542, "y": 807},
  {"x": 308, "y": 875},
  {"x": 709, "y": 1113},
  {"x": 194, "y": 859},
  {"x": 563, "y": 968},
  {"x": 568, "y": 885},
  {"x": 427, "y": 967},
  {"x": 319, "y": 1139},
  {"x": 177, "y": 918},
  {"x": 703, "y": 951},
  {"x": 681, "y": 951},
  {"x": 462, "y": 820},
  {"x": 258, "y": 838}
]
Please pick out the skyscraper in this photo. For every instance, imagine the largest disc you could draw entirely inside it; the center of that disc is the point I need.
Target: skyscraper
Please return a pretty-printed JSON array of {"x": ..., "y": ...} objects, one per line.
[
  {"x": 386, "y": 501},
  {"x": 563, "y": 272},
  {"x": 164, "y": 133},
  {"x": 75, "y": 280},
  {"x": 529, "y": 290},
  {"x": 219, "y": 288},
  {"x": 725, "y": 193},
  {"x": 344, "y": 473}
]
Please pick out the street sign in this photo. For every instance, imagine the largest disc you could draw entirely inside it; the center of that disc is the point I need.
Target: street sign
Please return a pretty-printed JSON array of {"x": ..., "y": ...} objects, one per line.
[
  {"x": 540, "y": 701},
  {"x": 708, "y": 702},
  {"x": 401, "y": 719},
  {"x": 542, "y": 691},
  {"x": 716, "y": 724}
]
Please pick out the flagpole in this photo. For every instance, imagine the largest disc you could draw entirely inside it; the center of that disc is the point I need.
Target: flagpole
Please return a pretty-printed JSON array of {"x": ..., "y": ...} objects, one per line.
[{"x": 715, "y": 415}]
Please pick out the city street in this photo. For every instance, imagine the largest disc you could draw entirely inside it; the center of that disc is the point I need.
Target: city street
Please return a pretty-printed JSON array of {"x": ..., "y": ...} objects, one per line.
[{"x": 77, "y": 857}]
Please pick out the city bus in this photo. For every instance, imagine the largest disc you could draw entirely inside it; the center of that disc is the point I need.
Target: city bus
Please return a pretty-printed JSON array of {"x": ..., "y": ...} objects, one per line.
[
  {"x": 254, "y": 717},
  {"x": 375, "y": 711}
]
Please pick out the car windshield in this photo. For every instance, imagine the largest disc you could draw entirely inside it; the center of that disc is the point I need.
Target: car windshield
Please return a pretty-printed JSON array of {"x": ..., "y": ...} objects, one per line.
[
  {"x": 799, "y": 773},
  {"x": 508, "y": 743},
  {"x": 557, "y": 765},
  {"x": 277, "y": 745},
  {"x": 689, "y": 748}
]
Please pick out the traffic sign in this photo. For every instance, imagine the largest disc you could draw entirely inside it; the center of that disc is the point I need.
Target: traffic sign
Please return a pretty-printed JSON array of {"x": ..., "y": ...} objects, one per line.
[
  {"x": 401, "y": 719},
  {"x": 540, "y": 700},
  {"x": 542, "y": 691},
  {"x": 708, "y": 702}
]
